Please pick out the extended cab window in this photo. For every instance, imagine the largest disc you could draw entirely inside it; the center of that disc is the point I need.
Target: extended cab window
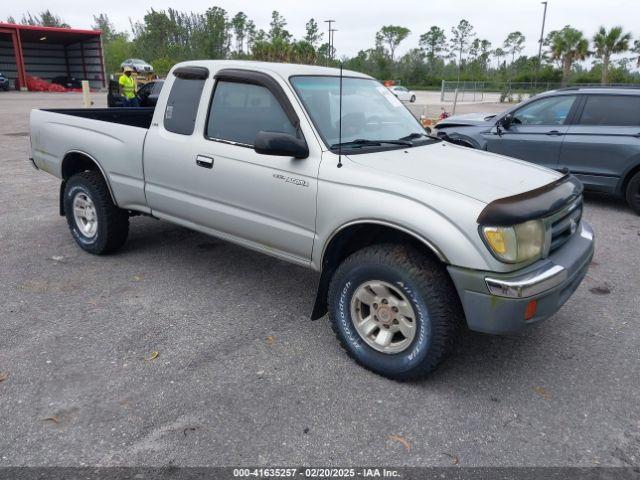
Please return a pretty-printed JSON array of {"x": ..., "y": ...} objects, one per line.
[
  {"x": 182, "y": 105},
  {"x": 613, "y": 110},
  {"x": 240, "y": 110},
  {"x": 548, "y": 111}
]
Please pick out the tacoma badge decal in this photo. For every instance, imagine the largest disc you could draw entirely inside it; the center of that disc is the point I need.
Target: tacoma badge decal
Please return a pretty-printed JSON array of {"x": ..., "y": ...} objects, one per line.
[{"x": 295, "y": 181}]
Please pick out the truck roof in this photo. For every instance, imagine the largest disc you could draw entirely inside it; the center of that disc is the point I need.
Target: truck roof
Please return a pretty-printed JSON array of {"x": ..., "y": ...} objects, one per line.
[{"x": 285, "y": 70}]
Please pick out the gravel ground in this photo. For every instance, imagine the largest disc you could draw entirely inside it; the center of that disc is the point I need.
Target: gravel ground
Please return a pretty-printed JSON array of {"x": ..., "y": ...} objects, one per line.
[{"x": 243, "y": 377}]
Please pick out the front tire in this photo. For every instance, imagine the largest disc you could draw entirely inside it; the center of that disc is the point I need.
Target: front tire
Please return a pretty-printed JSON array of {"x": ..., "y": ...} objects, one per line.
[
  {"x": 97, "y": 225},
  {"x": 413, "y": 98},
  {"x": 633, "y": 193},
  {"x": 372, "y": 297}
]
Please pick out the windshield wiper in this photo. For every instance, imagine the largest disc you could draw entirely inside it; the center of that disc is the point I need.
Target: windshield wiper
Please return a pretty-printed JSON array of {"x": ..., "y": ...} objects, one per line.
[
  {"x": 363, "y": 142},
  {"x": 414, "y": 135}
]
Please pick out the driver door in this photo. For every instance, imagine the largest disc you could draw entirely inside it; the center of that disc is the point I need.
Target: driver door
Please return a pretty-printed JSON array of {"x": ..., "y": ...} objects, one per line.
[{"x": 536, "y": 132}]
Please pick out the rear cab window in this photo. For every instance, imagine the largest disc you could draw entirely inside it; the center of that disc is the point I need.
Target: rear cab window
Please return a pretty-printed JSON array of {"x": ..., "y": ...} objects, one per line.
[
  {"x": 611, "y": 110},
  {"x": 184, "y": 100}
]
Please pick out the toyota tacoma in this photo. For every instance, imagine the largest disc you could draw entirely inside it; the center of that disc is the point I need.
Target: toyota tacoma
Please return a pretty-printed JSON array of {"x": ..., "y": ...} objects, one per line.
[{"x": 414, "y": 237}]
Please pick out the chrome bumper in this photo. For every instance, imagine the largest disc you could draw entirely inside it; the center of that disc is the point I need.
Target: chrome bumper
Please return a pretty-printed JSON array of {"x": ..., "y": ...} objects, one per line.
[{"x": 530, "y": 285}]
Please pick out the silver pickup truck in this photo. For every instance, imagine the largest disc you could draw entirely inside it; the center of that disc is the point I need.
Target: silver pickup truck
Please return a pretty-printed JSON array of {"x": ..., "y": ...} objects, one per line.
[{"x": 414, "y": 237}]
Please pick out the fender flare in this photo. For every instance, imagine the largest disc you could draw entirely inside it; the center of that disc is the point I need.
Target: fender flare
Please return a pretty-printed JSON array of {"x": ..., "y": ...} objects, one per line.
[
  {"x": 95, "y": 162},
  {"x": 320, "y": 303}
]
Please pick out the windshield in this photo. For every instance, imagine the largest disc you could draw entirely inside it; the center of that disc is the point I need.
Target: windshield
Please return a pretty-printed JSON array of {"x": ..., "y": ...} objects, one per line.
[{"x": 369, "y": 111}]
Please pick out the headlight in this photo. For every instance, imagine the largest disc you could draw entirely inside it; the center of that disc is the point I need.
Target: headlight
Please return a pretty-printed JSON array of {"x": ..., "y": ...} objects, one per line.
[{"x": 518, "y": 243}]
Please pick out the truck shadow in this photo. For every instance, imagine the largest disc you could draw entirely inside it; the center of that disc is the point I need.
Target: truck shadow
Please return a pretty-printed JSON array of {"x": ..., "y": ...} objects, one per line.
[
  {"x": 203, "y": 260},
  {"x": 606, "y": 201}
]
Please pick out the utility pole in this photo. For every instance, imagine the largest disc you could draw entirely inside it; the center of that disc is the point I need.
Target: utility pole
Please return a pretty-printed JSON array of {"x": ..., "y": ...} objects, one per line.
[
  {"x": 329, "y": 40},
  {"x": 544, "y": 18},
  {"x": 332, "y": 31}
]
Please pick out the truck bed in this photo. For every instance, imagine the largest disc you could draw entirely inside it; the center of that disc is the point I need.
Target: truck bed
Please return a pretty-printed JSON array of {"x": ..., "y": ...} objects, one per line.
[
  {"x": 113, "y": 138},
  {"x": 134, "y": 117}
]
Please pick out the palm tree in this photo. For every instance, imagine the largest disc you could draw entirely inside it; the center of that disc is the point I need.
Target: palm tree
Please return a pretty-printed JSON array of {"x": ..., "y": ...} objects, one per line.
[
  {"x": 609, "y": 43},
  {"x": 567, "y": 46},
  {"x": 499, "y": 53},
  {"x": 636, "y": 50}
]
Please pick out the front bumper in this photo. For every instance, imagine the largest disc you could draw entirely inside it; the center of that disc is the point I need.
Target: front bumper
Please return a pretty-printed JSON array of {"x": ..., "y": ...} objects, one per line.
[{"x": 496, "y": 303}]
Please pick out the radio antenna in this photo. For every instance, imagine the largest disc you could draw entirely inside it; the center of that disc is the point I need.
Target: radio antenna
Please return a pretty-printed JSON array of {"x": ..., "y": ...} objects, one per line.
[{"x": 340, "y": 122}]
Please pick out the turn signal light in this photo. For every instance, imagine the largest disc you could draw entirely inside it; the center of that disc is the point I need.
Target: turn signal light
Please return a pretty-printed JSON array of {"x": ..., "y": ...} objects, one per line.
[{"x": 530, "y": 311}]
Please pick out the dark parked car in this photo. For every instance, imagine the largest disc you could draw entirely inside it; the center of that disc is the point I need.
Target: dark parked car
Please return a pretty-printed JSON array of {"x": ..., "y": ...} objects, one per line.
[
  {"x": 4, "y": 83},
  {"x": 67, "y": 82},
  {"x": 147, "y": 94},
  {"x": 592, "y": 132}
]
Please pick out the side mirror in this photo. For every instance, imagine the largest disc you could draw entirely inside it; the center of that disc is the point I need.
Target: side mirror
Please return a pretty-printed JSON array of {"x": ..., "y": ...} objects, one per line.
[
  {"x": 506, "y": 121},
  {"x": 281, "y": 144}
]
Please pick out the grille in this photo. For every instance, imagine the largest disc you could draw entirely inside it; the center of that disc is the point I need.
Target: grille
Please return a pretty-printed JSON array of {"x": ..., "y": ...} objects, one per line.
[{"x": 564, "y": 224}]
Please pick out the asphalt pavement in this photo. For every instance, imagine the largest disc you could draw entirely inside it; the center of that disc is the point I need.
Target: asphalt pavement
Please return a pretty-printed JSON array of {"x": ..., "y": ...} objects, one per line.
[{"x": 185, "y": 350}]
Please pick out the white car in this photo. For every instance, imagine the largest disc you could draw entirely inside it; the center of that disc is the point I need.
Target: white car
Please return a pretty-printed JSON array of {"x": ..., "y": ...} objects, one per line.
[
  {"x": 403, "y": 93},
  {"x": 139, "y": 66}
]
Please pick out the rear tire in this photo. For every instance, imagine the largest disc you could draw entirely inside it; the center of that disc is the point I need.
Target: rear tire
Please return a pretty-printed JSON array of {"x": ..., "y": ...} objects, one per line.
[
  {"x": 419, "y": 286},
  {"x": 413, "y": 98},
  {"x": 97, "y": 225},
  {"x": 633, "y": 193}
]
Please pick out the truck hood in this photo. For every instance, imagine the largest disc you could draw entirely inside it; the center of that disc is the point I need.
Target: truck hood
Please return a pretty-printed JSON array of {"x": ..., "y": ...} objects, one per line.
[
  {"x": 468, "y": 119},
  {"x": 481, "y": 175}
]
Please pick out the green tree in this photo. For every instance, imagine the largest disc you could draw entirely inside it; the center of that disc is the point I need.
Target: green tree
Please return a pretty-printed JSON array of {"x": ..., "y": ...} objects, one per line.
[
  {"x": 11, "y": 19},
  {"x": 607, "y": 44},
  {"x": 239, "y": 25},
  {"x": 312, "y": 35},
  {"x": 461, "y": 37},
  {"x": 636, "y": 50},
  {"x": 45, "y": 19},
  {"x": 101, "y": 22},
  {"x": 152, "y": 36},
  {"x": 567, "y": 46},
  {"x": 392, "y": 36},
  {"x": 303, "y": 51},
  {"x": 480, "y": 51},
  {"x": 412, "y": 68},
  {"x": 251, "y": 34},
  {"x": 216, "y": 33},
  {"x": 499, "y": 53},
  {"x": 277, "y": 27},
  {"x": 433, "y": 43},
  {"x": 116, "y": 44},
  {"x": 514, "y": 44}
]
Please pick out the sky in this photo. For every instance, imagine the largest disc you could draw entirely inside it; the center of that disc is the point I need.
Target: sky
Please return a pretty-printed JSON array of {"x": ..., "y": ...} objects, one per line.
[{"x": 358, "y": 20}]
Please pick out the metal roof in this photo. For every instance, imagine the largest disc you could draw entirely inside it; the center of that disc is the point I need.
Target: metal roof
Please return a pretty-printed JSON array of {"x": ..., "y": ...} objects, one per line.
[{"x": 57, "y": 35}]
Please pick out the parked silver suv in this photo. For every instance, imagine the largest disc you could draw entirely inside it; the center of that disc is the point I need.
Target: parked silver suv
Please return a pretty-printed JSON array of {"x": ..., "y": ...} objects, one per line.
[{"x": 592, "y": 132}]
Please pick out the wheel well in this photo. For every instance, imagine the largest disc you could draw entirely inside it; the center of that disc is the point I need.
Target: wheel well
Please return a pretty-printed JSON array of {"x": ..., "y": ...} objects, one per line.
[
  {"x": 628, "y": 178},
  {"x": 353, "y": 238},
  {"x": 76, "y": 162}
]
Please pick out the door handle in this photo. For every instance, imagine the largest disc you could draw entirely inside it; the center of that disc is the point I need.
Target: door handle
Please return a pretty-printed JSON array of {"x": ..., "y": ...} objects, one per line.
[
  {"x": 204, "y": 161},
  {"x": 554, "y": 133}
]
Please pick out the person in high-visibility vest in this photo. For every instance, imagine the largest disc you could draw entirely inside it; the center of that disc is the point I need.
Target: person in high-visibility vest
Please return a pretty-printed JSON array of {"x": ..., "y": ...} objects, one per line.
[{"x": 128, "y": 88}]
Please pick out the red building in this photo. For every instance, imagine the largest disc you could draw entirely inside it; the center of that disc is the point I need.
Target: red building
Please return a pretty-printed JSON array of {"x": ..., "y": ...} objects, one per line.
[{"x": 49, "y": 52}]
